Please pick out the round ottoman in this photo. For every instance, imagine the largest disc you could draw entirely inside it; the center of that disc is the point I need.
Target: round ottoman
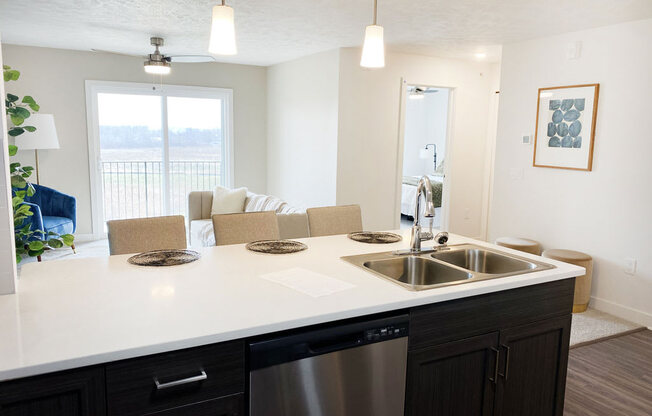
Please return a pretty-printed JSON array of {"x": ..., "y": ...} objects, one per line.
[
  {"x": 520, "y": 244},
  {"x": 582, "y": 283}
]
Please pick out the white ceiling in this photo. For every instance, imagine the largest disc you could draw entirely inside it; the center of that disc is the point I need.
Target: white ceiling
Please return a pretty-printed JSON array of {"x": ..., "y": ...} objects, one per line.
[{"x": 272, "y": 31}]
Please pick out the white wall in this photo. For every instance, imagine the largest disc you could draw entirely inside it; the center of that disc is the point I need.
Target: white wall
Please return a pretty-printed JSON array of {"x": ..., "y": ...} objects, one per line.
[
  {"x": 368, "y": 153},
  {"x": 425, "y": 123},
  {"x": 7, "y": 252},
  {"x": 302, "y": 104},
  {"x": 606, "y": 212},
  {"x": 55, "y": 77}
]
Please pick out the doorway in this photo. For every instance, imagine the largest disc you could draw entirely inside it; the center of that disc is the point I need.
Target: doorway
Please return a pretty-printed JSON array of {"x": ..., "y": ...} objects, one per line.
[{"x": 425, "y": 149}]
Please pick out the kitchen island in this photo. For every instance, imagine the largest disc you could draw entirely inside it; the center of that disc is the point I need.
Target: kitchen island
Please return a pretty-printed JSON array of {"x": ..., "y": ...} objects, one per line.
[{"x": 88, "y": 312}]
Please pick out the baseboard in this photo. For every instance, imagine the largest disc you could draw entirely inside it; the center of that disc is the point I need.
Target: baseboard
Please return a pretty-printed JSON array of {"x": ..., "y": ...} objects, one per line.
[
  {"x": 81, "y": 238},
  {"x": 621, "y": 311}
]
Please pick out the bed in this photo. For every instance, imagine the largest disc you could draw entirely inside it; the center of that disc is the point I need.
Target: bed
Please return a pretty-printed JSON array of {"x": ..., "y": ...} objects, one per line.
[{"x": 409, "y": 191}]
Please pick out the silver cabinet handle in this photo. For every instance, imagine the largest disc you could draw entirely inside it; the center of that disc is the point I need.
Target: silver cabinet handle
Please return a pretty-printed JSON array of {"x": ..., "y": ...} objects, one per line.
[{"x": 193, "y": 379}]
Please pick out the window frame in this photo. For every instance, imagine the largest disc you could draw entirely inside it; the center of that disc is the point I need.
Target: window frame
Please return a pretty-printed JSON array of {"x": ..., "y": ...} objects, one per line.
[{"x": 93, "y": 88}]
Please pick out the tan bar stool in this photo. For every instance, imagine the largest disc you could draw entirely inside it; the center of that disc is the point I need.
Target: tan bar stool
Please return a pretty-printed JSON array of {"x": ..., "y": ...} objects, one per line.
[
  {"x": 136, "y": 235},
  {"x": 521, "y": 244},
  {"x": 582, "y": 283}
]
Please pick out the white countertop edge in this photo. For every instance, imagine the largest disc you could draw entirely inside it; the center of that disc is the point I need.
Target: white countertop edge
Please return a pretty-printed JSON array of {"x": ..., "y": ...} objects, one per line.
[{"x": 468, "y": 290}]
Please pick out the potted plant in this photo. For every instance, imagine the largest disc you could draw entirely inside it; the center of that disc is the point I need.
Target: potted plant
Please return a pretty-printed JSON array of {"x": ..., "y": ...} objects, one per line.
[{"x": 29, "y": 243}]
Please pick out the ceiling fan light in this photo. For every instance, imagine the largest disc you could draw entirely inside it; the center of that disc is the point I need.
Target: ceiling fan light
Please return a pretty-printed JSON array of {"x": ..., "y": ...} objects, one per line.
[
  {"x": 417, "y": 95},
  {"x": 156, "y": 67},
  {"x": 222, "y": 41},
  {"x": 373, "y": 49}
]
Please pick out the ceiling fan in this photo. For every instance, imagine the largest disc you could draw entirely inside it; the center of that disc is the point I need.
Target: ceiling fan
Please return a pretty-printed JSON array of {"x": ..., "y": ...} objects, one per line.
[{"x": 158, "y": 63}]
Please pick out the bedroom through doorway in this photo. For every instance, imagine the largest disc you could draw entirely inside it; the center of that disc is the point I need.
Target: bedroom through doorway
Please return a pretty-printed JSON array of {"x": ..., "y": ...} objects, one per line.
[{"x": 424, "y": 149}]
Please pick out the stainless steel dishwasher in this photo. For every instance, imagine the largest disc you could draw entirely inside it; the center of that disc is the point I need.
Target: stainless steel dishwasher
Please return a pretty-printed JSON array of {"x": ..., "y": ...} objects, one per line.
[{"x": 354, "y": 369}]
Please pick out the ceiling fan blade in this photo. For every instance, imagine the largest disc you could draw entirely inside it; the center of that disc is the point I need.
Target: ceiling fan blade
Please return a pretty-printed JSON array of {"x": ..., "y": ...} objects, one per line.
[
  {"x": 116, "y": 53},
  {"x": 190, "y": 58}
]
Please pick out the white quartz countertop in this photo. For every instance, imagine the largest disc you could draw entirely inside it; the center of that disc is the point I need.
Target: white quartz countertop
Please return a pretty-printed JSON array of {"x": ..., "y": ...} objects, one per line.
[{"x": 73, "y": 313}]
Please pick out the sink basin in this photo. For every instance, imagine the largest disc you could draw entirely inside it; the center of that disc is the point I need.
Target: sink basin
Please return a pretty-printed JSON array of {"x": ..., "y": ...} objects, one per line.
[
  {"x": 451, "y": 265},
  {"x": 417, "y": 271},
  {"x": 484, "y": 261}
]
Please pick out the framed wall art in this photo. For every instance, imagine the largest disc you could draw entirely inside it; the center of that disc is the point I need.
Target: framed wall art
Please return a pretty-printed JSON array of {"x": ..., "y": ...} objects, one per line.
[{"x": 565, "y": 127}]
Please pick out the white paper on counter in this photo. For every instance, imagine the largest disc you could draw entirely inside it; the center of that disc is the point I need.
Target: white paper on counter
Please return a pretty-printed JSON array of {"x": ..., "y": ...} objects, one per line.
[{"x": 307, "y": 282}]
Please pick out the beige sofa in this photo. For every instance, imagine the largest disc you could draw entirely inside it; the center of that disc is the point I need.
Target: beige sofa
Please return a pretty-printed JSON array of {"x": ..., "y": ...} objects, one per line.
[{"x": 291, "y": 222}]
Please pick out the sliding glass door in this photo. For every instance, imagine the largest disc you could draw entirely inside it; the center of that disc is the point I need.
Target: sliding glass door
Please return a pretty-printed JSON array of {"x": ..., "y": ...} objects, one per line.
[{"x": 150, "y": 146}]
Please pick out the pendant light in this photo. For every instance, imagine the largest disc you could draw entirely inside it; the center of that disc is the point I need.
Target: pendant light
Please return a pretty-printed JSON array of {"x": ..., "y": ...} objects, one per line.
[
  {"x": 222, "y": 40},
  {"x": 373, "y": 49}
]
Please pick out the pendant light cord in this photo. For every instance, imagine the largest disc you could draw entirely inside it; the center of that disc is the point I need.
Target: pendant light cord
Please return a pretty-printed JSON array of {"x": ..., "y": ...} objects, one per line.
[{"x": 375, "y": 11}]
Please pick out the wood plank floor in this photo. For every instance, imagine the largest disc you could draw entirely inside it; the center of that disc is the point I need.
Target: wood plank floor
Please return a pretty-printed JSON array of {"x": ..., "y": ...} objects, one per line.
[{"x": 611, "y": 378}]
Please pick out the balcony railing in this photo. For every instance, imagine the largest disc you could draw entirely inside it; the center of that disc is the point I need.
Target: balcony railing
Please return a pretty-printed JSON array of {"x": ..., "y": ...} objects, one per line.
[{"x": 134, "y": 189}]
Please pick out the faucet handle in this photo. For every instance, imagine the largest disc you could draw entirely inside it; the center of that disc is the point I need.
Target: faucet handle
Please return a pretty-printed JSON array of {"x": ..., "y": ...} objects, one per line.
[{"x": 425, "y": 235}]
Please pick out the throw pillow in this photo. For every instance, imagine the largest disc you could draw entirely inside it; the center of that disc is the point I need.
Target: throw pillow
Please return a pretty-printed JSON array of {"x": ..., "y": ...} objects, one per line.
[{"x": 228, "y": 201}]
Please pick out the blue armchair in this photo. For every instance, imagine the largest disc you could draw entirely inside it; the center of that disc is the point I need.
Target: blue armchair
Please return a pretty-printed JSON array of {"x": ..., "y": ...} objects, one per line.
[{"x": 53, "y": 211}]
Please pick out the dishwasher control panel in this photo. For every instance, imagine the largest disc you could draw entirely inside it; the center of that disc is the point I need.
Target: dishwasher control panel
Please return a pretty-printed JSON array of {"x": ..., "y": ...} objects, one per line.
[{"x": 386, "y": 332}]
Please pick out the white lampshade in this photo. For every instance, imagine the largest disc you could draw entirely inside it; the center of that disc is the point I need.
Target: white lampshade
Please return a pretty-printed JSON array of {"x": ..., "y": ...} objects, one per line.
[
  {"x": 153, "y": 67},
  {"x": 45, "y": 136},
  {"x": 424, "y": 154},
  {"x": 222, "y": 40},
  {"x": 373, "y": 49}
]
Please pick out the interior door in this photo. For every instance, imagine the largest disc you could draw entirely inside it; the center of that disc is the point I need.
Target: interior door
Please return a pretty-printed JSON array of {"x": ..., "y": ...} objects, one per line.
[
  {"x": 533, "y": 369},
  {"x": 453, "y": 379}
]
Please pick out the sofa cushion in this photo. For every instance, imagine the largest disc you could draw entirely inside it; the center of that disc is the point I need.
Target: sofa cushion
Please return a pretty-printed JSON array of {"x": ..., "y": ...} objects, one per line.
[
  {"x": 59, "y": 225},
  {"x": 228, "y": 201}
]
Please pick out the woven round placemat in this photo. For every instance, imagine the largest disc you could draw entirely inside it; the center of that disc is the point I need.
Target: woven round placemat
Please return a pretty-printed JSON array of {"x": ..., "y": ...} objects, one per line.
[
  {"x": 164, "y": 258},
  {"x": 375, "y": 237},
  {"x": 276, "y": 246}
]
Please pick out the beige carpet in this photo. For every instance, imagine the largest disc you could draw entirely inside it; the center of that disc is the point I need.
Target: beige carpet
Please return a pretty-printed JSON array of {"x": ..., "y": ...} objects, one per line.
[{"x": 592, "y": 326}]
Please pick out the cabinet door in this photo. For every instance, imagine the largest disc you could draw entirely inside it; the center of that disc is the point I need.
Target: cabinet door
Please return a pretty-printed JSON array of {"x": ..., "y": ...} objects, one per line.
[
  {"x": 533, "y": 369},
  {"x": 225, "y": 406},
  {"x": 453, "y": 379},
  {"x": 69, "y": 393}
]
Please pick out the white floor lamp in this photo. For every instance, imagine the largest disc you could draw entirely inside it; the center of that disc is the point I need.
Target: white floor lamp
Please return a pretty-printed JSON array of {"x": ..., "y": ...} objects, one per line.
[{"x": 45, "y": 137}]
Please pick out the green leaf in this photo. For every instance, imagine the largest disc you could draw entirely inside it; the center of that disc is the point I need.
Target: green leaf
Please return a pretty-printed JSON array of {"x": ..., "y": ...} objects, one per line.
[
  {"x": 13, "y": 98},
  {"x": 35, "y": 253},
  {"x": 17, "y": 120},
  {"x": 68, "y": 239},
  {"x": 12, "y": 150},
  {"x": 30, "y": 190},
  {"x": 55, "y": 243},
  {"x": 22, "y": 112},
  {"x": 16, "y": 131},
  {"x": 34, "y": 106},
  {"x": 18, "y": 258},
  {"x": 30, "y": 129},
  {"x": 27, "y": 99},
  {"x": 18, "y": 182},
  {"x": 5, "y": 67},
  {"x": 36, "y": 245}
]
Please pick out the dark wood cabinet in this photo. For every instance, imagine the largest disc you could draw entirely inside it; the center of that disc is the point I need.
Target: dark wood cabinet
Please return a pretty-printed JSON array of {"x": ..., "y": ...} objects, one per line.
[
  {"x": 533, "y": 369},
  {"x": 502, "y": 354},
  {"x": 452, "y": 379},
  {"x": 171, "y": 380},
  {"x": 224, "y": 406},
  {"x": 69, "y": 393},
  {"x": 501, "y": 364}
]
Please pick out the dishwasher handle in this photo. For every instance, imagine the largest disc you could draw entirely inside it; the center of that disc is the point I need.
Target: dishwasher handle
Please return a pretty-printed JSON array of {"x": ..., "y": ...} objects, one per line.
[
  {"x": 324, "y": 347},
  {"x": 277, "y": 350}
]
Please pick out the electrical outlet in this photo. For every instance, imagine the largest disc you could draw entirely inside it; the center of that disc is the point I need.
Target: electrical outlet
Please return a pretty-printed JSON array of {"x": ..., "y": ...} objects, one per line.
[
  {"x": 467, "y": 213},
  {"x": 630, "y": 266}
]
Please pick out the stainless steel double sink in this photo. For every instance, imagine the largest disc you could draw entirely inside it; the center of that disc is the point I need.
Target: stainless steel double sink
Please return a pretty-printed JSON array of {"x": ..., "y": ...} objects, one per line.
[{"x": 449, "y": 265}]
